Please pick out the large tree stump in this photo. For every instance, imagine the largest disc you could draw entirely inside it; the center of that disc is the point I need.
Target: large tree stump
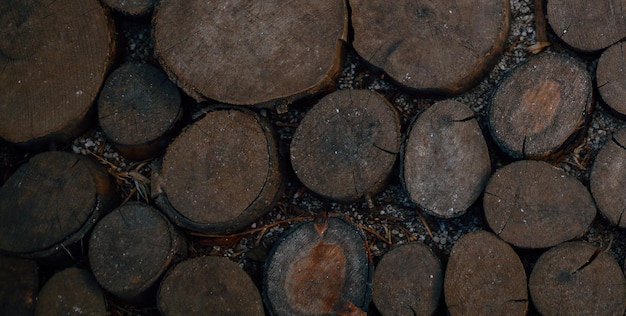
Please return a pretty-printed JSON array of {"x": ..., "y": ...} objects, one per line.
[
  {"x": 53, "y": 59},
  {"x": 51, "y": 202},
  {"x": 19, "y": 283},
  {"x": 137, "y": 109},
  {"x": 445, "y": 163},
  {"x": 588, "y": 26},
  {"x": 72, "y": 291},
  {"x": 532, "y": 204},
  {"x": 346, "y": 146},
  {"x": 318, "y": 268},
  {"x": 485, "y": 276},
  {"x": 541, "y": 106},
  {"x": 576, "y": 278},
  {"x": 608, "y": 179},
  {"x": 249, "y": 51},
  {"x": 221, "y": 173},
  {"x": 433, "y": 46},
  {"x": 611, "y": 79},
  {"x": 208, "y": 285},
  {"x": 408, "y": 281},
  {"x": 131, "y": 248}
]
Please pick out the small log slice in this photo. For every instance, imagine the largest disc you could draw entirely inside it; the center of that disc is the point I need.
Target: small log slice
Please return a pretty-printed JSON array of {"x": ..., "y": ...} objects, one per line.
[
  {"x": 532, "y": 204},
  {"x": 221, "y": 173},
  {"x": 408, "y": 280},
  {"x": 611, "y": 79},
  {"x": 485, "y": 276},
  {"x": 52, "y": 202},
  {"x": 72, "y": 291},
  {"x": 53, "y": 59},
  {"x": 131, "y": 248},
  {"x": 576, "y": 278},
  {"x": 347, "y": 144},
  {"x": 587, "y": 26},
  {"x": 608, "y": 179},
  {"x": 209, "y": 286},
  {"x": 318, "y": 268},
  {"x": 135, "y": 8},
  {"x": 137, "y": 109},
  {"x": 541, "y": 106},
  {"x": 19, "y": 283},
  {"x": 249, "y": 51},
  {"x": 445, "y": 161},
  {"x": 433, "y": 46}
]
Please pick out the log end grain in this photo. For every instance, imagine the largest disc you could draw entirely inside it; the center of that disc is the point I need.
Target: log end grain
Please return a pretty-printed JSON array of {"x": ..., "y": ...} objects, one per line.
[
  {"x": 611, "y": 79},
  {"x": 72, "y": 291},
  {"x": 608, "y": 179},
  {"x": 19, "y": 284}
]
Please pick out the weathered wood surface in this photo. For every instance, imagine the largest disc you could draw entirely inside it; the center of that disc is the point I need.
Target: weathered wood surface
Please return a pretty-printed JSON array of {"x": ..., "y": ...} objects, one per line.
[
  {"x": 135, "y": 8},
  {"x": 19, "y": 284},
  {"x": 611, "y": 79},
  {"x": 608, "y": 179},
  {"x": 72, "y": 291}
]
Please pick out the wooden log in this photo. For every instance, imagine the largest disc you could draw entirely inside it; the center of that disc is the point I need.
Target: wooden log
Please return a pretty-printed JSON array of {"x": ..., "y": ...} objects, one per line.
[
  {"x": 346, "y": 146},
  {"x": 611, "y": 79},
  {"x": 576, "y": 278},
  {"x": 485, "y": 276},
  {"x": 51, "y": 202},
  {"x": 408, "y": 280},
  {"x": 133, "y": 8},
  {"x": 318, "y": 268},
  {"x": 137, "y": 109},
  {"x": 19, "y": 283},
  {"x": 587, "y": 26},
  {"x": 532, "y": 204},
  {"x": 221, "y": 173},
  {"x": 131, "y": 248},
  {"x": 445, "y": 162},
  {"x": 541, "y": 107},
  {"x": 72, "y": 291},
  {"x": 209, "y": 285},
  {"x": 432, "y": 46},
  {"x": 53, "y": 56},
  {"x": 249, "y": 52},
  {"x": 608, "y": 179}
]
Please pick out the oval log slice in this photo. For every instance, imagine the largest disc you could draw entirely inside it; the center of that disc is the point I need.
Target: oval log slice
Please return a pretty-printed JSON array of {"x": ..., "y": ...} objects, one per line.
[
  {"x": 433, "y": 46},
  {"x": 51, "y": 202},
  {"x": 346, "y": 146},
  {"x": 408, "y": 280},
  {"x": 576, "y": 278},
  {"x": 485, "y": 276},
  {"x": 445, "y": 161},
  {"x": 137, "y": 109},
  {"x": 131, "y": 248},
  {"x": 587, "y": 26},
  {"x": 532, "y": 204},
  {"x": 54, "y": 56},
  {"x": 72, "y": 291},
  {"x": 221, "y": 174},
  {"x": 608, "y": 179},
  {"x": 318, "y": 268},
  {"x": 208, "y": 286},
  {"x": 19, "y": 283},
  {"x": 248, "y": 51},
  {"x": 541, "y": 106},
  {"x": 611, "y": 79}
]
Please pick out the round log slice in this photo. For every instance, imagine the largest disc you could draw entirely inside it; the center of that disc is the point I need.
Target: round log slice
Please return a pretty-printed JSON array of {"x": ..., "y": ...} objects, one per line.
[
  {"x": 485, "y": 276},
  {"x": 249, "y": 51},
  {"x": 209, "y": 286},
  {"x": 132, "y": 7},
  {"x": 19, "y": 283},
  {"x": 532, "y": 204},
  {"x": 221, "y": 174},
  {"x": 576, "y": 278},
  {"x": 608, "y": 179},
  {"x": 587, "y": 26},
  {"x": 53, "y": 59},
  {"x": 131, "y": 248},
  {"x": 611, "y": 79},
  {"x": 318, "y": 268},
  {"x": 72, "y": 291},
  {"x": 434, "y": 46},
  {"x": 541, "y": 106},
  {"x": 408, "y": 281},
  {"x": 137, "y": 108},
  {"x": 445, "y": 164},
  {"x": 346, "y": 145},
  {"x": 52, "y": 202}
]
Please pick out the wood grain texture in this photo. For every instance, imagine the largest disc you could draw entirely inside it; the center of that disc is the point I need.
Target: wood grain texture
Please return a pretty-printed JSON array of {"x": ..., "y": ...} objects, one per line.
[{"x": 608, "y": 179}]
